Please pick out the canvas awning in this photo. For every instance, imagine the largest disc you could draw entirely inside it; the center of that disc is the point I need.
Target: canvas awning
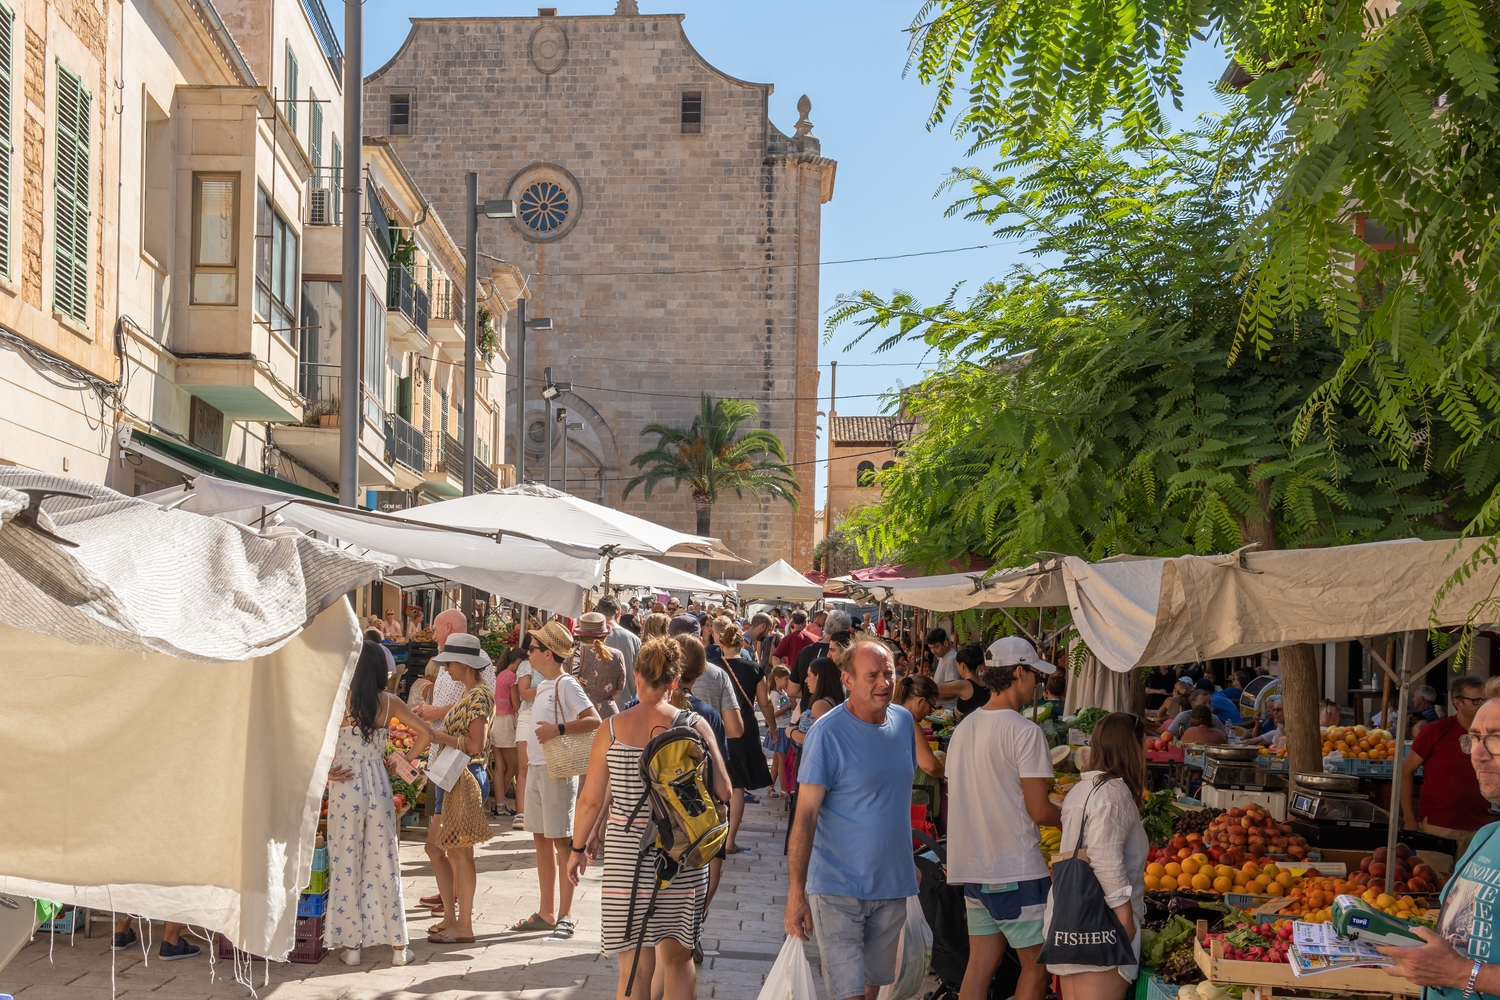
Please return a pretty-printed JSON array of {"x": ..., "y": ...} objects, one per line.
[
  {"x": 550, "y": 515},
  {"x": 1143, "y": 612},
  {"x": 637, "y": 571},
  {"x": 779, "y": 581},
  {"x": 1035, "y": 586},
  {"x": 553, "y": 575},
  {"x": 163, "y": 629}
]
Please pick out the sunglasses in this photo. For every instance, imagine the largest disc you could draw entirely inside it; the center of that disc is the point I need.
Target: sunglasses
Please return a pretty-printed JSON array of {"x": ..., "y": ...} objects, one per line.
[{"x": 841, "y": 637}]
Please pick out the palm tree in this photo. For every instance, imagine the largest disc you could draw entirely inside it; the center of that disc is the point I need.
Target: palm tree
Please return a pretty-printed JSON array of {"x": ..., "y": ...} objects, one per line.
[{"x": 712, "y": 461}]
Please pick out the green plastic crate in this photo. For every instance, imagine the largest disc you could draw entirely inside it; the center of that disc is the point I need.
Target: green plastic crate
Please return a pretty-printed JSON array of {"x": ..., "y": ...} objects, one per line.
[{"x": 319, "y": 883}]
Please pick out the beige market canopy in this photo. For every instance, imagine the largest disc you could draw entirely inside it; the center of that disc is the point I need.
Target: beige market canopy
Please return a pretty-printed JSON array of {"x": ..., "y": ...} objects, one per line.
[
  {"x": 1036, "y": 586},
  {"x": 1142, "y": 612},
  {"x": 166, "y": 636},
  {"x": 779, "y": 582}
]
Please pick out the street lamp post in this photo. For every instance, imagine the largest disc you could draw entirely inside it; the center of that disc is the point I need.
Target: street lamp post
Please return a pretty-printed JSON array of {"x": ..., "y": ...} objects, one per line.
[
  {"x": 523, "y": 324},
  {"x": 501, "y": 208},
  {"x": 349, "y": 374},
  {"x": 550, "y": 391},
  {"x": 567, "y": 425}
]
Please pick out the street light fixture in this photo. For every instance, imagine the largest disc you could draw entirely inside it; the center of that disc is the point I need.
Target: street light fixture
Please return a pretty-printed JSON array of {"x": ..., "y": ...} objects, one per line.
[
  {"x": 550, "y": 391},
  {"x": 539, "y": 323},
  {"x": 499, "y": 208},
  {"x": 568, "y": 425}
]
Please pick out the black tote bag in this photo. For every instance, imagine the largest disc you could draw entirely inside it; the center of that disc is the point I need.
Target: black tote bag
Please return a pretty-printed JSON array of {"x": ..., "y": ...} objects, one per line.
[{"x": 1084, "y": 929}]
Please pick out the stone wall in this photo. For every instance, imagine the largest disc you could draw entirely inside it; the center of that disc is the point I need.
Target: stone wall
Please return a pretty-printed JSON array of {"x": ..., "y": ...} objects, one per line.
[{"x": 680, "y": 263}]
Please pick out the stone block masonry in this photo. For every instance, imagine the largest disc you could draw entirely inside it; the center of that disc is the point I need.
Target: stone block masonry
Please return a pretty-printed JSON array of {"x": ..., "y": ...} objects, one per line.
[{"x": 667, "y": 227}]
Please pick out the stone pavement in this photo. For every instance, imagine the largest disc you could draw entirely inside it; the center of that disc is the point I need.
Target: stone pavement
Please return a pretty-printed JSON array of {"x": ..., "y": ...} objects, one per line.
[{"x": 743, "y": 928}]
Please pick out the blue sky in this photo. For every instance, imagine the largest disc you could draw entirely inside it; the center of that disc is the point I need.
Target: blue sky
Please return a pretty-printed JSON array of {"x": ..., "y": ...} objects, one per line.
[{"x": 848, "y": 57}]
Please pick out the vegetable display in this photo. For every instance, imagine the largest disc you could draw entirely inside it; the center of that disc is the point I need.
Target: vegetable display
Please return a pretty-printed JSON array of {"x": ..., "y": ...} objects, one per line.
[
  {"x": 1159, "y": 815},
  {"x": 1088, "y": 719}
]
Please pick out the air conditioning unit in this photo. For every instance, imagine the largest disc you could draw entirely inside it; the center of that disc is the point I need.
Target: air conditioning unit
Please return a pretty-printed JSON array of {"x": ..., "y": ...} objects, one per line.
[{"x": 320, "y": 207}]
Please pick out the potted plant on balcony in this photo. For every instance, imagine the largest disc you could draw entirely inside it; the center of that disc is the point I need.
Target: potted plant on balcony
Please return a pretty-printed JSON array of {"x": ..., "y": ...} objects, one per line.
[
  {"x": 322, "y": 413},
  {"x": 487, "y": 343}
]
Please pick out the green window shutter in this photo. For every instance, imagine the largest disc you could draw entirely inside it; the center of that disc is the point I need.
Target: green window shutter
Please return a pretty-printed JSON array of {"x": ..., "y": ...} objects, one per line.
[
  {"x": 314, "y": 131},
  {"x": 70, "y": 291},
  {"x": 291, "y": 88},
  {"x": 7, "y": 28}
]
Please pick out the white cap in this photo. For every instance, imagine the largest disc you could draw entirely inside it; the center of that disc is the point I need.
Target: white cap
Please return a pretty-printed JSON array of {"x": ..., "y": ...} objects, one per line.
[{"x": 1013, "y": 650}]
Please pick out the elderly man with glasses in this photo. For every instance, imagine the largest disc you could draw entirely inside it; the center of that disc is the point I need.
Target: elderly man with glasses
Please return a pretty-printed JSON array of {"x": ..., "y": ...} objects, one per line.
[
  {"x": 1452, "y": 803},
  {"x": 1458, "y": 960}
]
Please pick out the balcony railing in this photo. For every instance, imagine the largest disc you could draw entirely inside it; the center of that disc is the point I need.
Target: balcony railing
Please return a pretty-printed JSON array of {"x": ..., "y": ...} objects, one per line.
[
  {"x": 403, "y": 294},
  {"x": 451, "y": 463},
  {"x": 325, "y": 201},
  {"x": 484, "y": 479},
  {"x": 447, "y": 300},
  {"x": 405, "y": 444},
  {"x": 319, "y": 385}
]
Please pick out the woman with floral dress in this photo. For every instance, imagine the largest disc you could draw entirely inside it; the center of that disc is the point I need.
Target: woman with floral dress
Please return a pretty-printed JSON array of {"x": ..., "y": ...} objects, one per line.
[{"x": 365, "y": 906}]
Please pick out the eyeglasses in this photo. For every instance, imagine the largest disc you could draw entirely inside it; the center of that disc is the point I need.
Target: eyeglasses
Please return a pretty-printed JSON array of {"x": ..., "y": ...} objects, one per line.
[
  {"x": 1472, "y": 701},
  {"x": 1468, "y": 744}
]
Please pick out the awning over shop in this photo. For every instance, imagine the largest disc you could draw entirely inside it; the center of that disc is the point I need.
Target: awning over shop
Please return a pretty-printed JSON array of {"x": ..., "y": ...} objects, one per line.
[
  {"x": 1035, "y": 586},
  {"x": 175, "y": 453},
  {"x": 162, "y": 628},
  {"x": 779, "y": 581},
  {"x": 1190, "y": 608}
]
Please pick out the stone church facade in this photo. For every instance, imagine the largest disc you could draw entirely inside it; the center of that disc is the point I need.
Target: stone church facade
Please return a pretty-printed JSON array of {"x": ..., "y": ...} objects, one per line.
[{"x": 668, "y": 229}]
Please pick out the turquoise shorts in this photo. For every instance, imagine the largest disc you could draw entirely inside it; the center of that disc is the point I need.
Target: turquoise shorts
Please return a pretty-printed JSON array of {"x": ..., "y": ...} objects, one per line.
[{"x": 1014, "y": 909}]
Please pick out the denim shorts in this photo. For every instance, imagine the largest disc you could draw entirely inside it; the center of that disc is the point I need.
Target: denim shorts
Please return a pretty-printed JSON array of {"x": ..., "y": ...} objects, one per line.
[
  {"x": 856, "y": 941},
  {"x": 480, "y": 775}
]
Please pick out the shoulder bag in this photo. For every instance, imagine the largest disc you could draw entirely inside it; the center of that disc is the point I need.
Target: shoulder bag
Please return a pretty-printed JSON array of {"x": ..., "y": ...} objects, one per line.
[
  {"x": 567, "y": 755},
  {"x": 462, "y": 822},
  {"x": 1084, "y": 929}
]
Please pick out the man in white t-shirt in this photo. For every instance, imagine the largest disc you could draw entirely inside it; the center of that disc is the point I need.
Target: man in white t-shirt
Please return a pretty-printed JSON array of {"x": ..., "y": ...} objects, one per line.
[
  {"x": 944, "y": 661},
  {"x": 997, "y": 769}
]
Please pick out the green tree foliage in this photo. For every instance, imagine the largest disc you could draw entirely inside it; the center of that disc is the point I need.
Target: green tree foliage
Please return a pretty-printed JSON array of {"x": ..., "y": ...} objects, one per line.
[
  {"x": 1089, "y": 405},
  {"x": 712, "y": 458},
  {"x": 1351, "y": 114}
]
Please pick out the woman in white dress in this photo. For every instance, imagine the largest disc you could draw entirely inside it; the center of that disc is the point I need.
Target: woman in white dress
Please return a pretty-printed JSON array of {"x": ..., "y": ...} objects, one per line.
[{"x": 365, "y": 905}]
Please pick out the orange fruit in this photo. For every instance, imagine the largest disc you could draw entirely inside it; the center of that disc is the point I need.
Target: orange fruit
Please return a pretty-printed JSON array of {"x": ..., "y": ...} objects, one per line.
[
  {"x": 1275, "y": 889},
  {"x": 1201, "y": 882},
  {"x": 1152, "y": 882},
  {"x": 1156, "y": 869},
  {"x": 1223, "y": 884},
  {"x": 1166, "y": 883},
  {"x": 1250, "y": 868},
  {"x": 1173, "y": 869},
  {"x": 1224, "y": 871},
  {"x": 1189, "y": 867},
  {"x": 1240, "y": 878},
  {"x": 1285, "y": 880}
]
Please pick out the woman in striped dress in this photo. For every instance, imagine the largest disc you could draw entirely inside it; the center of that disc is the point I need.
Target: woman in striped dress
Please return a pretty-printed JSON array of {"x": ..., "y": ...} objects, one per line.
[{"x": 614, "y": 782}]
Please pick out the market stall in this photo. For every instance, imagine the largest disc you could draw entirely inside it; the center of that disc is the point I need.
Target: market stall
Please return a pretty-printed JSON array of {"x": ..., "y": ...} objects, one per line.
[
  {"x": 779, "y": 582},
  {"x": 142, "y": 632}
]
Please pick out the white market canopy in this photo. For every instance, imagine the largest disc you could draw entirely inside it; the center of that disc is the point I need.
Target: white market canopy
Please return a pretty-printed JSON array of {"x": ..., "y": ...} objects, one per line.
[
  {"x": 239, "y": 642},
  {"x": 553, "y": 516},
  {"x": 1152, "y": 612},
  {"x": 552, "y": 574},
  {"x": 636, "y": 571},
  {"x": 779, "y": 581}
]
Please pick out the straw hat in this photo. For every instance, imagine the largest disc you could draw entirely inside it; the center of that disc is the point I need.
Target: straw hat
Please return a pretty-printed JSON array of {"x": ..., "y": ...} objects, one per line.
[
  {"x": 592, "y": 626},
  {"x": 555, "y": 637}
]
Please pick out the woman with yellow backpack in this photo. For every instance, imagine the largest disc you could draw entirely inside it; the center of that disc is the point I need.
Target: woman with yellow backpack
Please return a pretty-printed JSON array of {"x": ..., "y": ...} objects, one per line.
[{"x": 659, "y": 768}]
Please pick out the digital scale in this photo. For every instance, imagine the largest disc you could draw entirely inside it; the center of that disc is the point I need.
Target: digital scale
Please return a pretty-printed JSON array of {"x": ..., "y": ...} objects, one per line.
[
  {"x": 1237, "y": 774},
  {"x": 1337, "y": 808}
]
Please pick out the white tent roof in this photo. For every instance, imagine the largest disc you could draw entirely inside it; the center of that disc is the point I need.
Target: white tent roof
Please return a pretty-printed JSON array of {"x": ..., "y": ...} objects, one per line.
[
  {"x": 545, "y": 574},
  {"x": 779, "y": 581},
  {"x": 637, "y": 571},
  {"x": 548, "y": 514},
  {"x": 1162, "y": 611},
  {"x": 1026, "y": 587},
  {"x": 243, "y": 641}
]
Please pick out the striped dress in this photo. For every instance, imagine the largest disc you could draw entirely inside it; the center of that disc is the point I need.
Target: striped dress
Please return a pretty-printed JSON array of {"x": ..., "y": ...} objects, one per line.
[{"x": 679, "y": 906}]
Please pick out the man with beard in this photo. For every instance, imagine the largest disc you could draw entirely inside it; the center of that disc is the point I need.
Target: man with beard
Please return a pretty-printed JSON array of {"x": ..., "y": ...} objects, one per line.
[{"x": 1455, "y": 963}]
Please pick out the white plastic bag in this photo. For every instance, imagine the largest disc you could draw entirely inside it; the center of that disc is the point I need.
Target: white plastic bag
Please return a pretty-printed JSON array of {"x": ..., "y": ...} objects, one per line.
[
  {"x": 913, "y": 955},
  {"x": 791, "y": 977},
  {"x": 445, "y": 765}
]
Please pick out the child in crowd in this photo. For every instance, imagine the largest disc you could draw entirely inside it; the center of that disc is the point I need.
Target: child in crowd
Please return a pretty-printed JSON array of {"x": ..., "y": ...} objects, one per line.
[{"x": 777, "y": 740}]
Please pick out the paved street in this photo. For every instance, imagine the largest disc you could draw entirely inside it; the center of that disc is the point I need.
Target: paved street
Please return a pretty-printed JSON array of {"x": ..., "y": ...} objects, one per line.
[{"x": 743, "y": 927}]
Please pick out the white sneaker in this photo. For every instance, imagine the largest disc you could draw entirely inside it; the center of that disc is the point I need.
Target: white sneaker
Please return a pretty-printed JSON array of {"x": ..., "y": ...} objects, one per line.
[
  {"x": 350, "y": 956},
  {"x": 400, "y": 956}
]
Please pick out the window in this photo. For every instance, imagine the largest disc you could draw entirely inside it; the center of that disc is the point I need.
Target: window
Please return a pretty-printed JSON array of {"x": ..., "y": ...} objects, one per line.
[
  {"x": 544, "y": 206},
  {"x": 70, "y": 284},
  {"x": 400, "y": 116},
  {"x": 314, "y": 131},
  {"x": 321, "y": 340},
  {"x": 276, "y": 270},
  {"x": 216, "y": 236},
  {"x": 291, "y": 88},
  {"x": 443, "y": 411},
  {"x": 884, "y": 466},
  {"x": 375, "y": 364},
  {"x": 7, "y": 27},
  {"x": 864, "y": 473},
  {"x": 692, "y": 111}
]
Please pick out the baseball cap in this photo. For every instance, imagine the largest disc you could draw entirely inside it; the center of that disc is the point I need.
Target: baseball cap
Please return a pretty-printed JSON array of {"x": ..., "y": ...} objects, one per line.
[
  {"x": 683, "y": 623},
  {"x": 1013, "y": 650}
]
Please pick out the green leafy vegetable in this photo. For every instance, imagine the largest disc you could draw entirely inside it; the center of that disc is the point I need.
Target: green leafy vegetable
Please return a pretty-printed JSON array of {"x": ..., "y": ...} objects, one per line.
[
  {"x": 1158, "y": 814},
  {"x": 1088, "y": 719},
  {"x": 1177, "y": 930}
]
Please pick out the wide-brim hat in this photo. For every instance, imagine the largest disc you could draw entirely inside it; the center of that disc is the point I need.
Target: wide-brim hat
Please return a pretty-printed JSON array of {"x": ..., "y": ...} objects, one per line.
[
  {"x": 464, "y": 648},
  {"x": 1012, "y": 651},
  {"x": 592, "y": 626},
  {"x": 555, "y": 637}
]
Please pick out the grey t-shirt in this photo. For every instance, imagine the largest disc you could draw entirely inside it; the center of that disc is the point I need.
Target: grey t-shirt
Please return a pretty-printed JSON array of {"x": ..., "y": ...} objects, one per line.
[
  {"x": 628, "y": 644},
  {"x": 717, "y": 688},
  {"x": 1185, "y": 719}
]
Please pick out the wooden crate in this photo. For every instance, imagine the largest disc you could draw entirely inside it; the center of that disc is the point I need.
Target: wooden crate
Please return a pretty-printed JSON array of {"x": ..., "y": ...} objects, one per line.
[{"x": 1219, "y": 970}]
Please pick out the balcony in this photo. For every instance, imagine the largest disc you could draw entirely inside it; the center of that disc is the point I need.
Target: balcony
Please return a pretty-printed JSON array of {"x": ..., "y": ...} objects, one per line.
[
  {"x": 315, "y": 442},
  {"x": 406, "y": 310},
  {"x": 484, "y": 479},
  {"x": 405, "y": 444},
  {"x": 447, "y": 325}
]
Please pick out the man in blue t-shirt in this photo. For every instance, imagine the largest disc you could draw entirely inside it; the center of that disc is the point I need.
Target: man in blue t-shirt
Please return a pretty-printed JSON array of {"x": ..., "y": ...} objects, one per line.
[
  {"x": 1460, "y": 960},
  {"x": 850, "y": 858}
]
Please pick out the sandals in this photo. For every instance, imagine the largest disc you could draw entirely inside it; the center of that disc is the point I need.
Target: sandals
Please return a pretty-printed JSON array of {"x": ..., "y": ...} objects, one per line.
[
  {"x": 448, "y": 937},
  {"x": 431, "y": 900},
  {"x": 534, "y": 923},
  {"x": 734, "y": 850},
  {"x": 565, "y": 927}
]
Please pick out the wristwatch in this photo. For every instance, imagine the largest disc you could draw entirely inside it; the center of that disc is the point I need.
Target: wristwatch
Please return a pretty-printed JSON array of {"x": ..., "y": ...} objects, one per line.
[
  {"x": 1473, "y": 978},
  {"x": 562, "y": 729}
]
